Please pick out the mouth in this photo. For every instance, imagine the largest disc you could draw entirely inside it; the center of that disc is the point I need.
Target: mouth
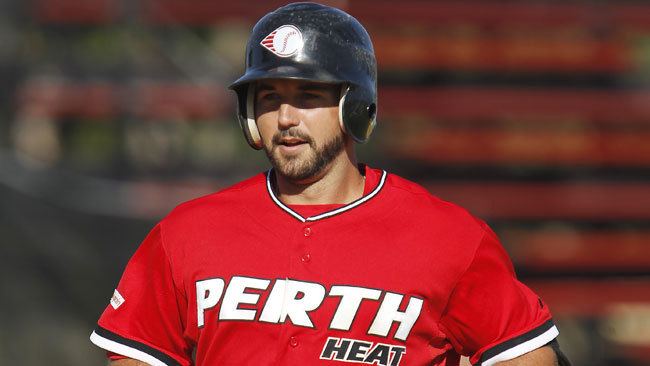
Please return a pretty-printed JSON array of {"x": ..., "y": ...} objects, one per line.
[{"x": 291, "y": 142}]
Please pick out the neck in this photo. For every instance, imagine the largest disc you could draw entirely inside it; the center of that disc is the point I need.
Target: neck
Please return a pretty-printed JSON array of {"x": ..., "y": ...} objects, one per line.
[{"x": 338, "y": 183}]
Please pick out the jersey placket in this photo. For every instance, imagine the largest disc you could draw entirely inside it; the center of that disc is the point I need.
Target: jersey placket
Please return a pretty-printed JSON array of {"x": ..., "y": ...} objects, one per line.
[
  {"x": 307, "y": 278},
  {"x": 296, "y": 338}
]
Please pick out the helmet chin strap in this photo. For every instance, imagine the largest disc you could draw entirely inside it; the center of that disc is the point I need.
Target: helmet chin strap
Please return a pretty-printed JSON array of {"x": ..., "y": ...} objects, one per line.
[{"x": 252, "y": 133}]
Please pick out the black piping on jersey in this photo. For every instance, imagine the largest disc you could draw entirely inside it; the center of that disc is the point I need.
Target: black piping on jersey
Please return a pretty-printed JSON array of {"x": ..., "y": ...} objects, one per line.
[
  {"x": 327, "y": 214},
  {"x": 511, "y": 343},
  {"x": 160, "y": 356}
]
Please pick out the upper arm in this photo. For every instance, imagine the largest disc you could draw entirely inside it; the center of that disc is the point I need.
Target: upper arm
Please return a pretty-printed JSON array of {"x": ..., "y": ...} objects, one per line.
[
  {"x": 147, "y": 315},
  {"x": 490, "y": 315}
]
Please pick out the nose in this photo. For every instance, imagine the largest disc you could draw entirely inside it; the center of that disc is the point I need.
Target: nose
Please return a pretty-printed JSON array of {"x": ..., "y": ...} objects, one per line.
[{"x": 287, "y": 116}]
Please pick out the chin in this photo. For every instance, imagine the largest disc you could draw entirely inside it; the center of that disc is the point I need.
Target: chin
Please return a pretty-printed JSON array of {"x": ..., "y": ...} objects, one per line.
[
  {"x": 297, "y": 170},
  {"x": 308, "y": 165},
  {"x": 296, "y": 174}
]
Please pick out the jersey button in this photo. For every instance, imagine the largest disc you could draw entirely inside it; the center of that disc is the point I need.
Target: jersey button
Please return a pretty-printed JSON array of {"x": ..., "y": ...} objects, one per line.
[
  {"x": 305, "y": 257},
  {"x": 293, "y": 342},
  {"x": 307, "y": 231}
]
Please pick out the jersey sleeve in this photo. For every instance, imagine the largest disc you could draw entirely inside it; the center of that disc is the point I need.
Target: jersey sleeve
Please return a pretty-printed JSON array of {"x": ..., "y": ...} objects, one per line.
[
  {"x": 491, "y": 316},
  {"x": 144, "y": 319}
]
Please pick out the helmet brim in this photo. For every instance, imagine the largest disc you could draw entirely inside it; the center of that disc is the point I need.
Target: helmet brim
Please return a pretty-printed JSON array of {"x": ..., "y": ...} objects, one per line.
[{"x": 287, "y": 72}]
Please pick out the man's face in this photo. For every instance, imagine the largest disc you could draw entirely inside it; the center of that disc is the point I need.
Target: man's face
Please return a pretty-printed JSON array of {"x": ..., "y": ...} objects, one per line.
[{"x": 299, "y": 125}]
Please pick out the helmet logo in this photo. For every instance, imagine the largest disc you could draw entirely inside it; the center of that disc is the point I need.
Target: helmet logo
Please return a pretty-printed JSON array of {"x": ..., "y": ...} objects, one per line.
[{"x": 284, "y": 41}]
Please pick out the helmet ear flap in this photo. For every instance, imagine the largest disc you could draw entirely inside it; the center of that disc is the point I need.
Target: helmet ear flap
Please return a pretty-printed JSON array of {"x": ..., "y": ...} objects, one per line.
[
  {"x": 246, "y": 116},
  {"x": 358, "y": 112}
]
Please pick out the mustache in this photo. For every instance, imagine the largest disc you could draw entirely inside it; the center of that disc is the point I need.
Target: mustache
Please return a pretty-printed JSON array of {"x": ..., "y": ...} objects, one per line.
[{"x": 278, "y": 136}]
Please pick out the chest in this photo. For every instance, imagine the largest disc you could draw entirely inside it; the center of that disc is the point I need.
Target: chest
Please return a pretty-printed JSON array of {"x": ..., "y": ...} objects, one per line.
[
  {"x": 349, "y": 290},
  {"x": 408, "y": 259}
]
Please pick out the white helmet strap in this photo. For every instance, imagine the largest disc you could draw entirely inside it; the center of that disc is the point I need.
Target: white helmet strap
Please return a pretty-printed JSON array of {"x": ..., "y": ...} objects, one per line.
[
  {"x": 252, "y": 132},
  {"x": 344, "y": 92}
]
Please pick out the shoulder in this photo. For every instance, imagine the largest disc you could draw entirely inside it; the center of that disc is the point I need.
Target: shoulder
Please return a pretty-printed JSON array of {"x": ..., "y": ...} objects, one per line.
[
  {"x": 419, "y": 200},
  {"x": 213, "y": 205},
  {"x": 443, "y": 232},
  {"x": 413, "y": 207}
]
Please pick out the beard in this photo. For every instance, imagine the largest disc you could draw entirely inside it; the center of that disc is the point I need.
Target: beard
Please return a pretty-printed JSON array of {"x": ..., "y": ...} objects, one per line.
[{"x": 307, "y": 164}]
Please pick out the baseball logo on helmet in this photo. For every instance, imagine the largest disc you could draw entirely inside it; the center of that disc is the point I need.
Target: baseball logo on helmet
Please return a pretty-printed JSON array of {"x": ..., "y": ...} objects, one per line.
[{"x": 284, "y": 41}]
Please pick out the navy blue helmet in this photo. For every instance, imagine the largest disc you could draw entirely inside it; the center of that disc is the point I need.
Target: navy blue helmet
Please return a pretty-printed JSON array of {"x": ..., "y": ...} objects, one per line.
[{"x": 313, "y": 42}]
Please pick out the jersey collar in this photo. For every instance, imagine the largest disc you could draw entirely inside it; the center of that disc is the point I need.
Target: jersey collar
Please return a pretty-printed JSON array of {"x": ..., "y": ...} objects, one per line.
[{"x": 327, "y": 214}]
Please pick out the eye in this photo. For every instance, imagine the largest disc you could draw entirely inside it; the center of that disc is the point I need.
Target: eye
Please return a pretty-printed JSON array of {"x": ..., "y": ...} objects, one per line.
[
  {"x": 268, "y": 96},
  {"x": 311, "y": 96}
]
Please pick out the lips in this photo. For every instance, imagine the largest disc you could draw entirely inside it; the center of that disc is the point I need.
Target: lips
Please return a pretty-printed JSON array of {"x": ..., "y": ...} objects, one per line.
[{"x": 292, "y": 141}]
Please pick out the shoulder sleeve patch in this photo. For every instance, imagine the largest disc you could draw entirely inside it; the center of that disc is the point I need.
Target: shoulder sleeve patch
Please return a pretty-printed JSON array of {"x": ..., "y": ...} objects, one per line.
[{"x": 117, "y": 300}]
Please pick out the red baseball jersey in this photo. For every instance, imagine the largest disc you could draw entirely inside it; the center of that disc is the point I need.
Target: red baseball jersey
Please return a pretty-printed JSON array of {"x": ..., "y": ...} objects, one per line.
[{"x": 398, "y": 277}]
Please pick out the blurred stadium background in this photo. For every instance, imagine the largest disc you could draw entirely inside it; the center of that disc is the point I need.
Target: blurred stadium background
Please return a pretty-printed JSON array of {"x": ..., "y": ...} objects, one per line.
[{"x": 533, "y": 114}]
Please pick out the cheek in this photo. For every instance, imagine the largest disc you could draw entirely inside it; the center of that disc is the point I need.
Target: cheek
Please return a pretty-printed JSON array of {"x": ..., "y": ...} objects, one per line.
[
  {"x": 334, "y": 126},
  {"x": 265, "y": 125},
  {"x": 324, "y": 123}
]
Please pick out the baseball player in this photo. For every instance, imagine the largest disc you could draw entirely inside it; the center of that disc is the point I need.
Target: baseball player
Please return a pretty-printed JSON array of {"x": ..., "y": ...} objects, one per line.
[{"x": 320, "y": 260}]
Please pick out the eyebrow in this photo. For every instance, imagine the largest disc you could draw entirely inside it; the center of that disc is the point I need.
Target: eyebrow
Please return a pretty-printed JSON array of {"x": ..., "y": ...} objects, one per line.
[{"x": 317, "y": 86}]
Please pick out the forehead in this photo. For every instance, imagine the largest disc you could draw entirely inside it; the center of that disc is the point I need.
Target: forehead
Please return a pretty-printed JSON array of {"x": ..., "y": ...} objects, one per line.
[{"x": 294, "y": 84}]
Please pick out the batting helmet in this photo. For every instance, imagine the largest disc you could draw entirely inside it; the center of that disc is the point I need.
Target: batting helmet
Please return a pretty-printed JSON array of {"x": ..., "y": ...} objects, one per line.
[{"x": 308, "y": 41}]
